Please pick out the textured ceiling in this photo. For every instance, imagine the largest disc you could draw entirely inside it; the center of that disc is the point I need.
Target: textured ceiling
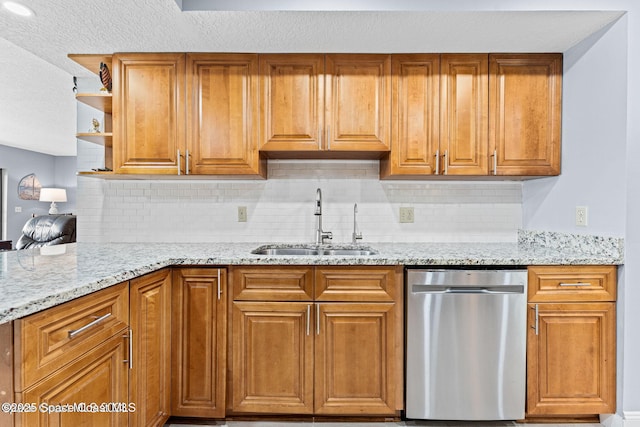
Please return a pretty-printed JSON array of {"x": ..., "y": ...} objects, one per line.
[{"x": 38, "y": 111}]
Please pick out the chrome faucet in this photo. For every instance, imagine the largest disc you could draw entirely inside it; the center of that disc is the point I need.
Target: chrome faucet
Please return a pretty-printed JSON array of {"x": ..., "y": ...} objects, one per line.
[
  {"x": 320, "y": 235},
  {"x": 356, "y": 235}
]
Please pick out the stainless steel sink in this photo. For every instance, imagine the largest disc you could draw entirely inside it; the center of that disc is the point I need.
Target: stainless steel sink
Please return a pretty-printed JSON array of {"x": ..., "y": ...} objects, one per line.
[
  {"x": 286, "y": 251},
  {"x": 313, "y": 251},
  {"x": 354, "y": 252}
]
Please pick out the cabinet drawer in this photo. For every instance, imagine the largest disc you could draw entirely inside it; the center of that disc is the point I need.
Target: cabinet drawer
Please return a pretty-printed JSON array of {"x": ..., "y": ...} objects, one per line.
[
  {"x": 347, "y": 283},
  {"x": 272, "y": 283},
  {"x": 99, "y": 376},
  {"x": 48, "y": 340},
  {"x": 572, "y": 283}
]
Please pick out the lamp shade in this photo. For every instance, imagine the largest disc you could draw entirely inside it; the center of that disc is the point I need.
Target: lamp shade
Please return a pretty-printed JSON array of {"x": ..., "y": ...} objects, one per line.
[{"x": 53, "y": 195}]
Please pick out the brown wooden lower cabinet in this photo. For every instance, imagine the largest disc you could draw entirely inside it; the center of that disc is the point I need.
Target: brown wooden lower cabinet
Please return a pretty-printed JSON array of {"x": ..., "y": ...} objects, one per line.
[
  {"x": 199, "y": 342},
  {"x": 355, "y": 353},
  {"x": 571, "y": 341},
  {"x": 571, "y": 359},
  {"x": 309, "y": 358},
  {"x": 150, "y": 322},
  {"x": 335, "y": 348},
  {"x": 322, "y": 357},
  {"x": 99, "y": 376},
  {"x": 272, "y": 357}
]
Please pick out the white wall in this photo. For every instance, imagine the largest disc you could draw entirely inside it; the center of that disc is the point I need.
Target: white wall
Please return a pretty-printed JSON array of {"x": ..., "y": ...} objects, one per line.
[
  {"x": 593, "y": 142},
  {"x": 631, "y": 292}
]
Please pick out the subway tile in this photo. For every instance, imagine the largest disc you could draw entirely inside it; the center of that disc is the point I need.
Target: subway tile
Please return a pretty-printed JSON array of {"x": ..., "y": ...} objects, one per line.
[{"x": 282, "y": 209}]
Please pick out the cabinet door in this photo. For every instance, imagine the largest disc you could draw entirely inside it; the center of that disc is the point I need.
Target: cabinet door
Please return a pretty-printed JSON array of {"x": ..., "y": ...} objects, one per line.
[
  {"x": 272, "y": 357},
  {"x": 358, "y": 102},
  {"x": 198, "y": 345},
  {"x": 464, "y": 125},
  {"x": 525, "y": 104},
  {"x": 292, "y": 113},
  {"x": 414, "y": 117},
  {"x": 571, "y": 360},
  {"x": 222, "y": 114},
  {"x": 355, "y": 369},
  {"x": 148, "y": 113},
  {"x": 150, "y": 376},
  {"x": 100, "y": 376}
]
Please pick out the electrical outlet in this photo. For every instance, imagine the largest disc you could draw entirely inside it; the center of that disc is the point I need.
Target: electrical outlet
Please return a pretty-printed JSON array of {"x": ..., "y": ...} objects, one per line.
[
  {"x": 406, "y": 214},
  {"x": 581, "y": 216},
  {"x": 18, "y": 209},
  {"x": 242, "y": 214}
]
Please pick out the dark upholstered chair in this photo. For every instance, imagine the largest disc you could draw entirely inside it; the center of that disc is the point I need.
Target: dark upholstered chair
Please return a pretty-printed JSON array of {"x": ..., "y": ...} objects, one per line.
[{"x": 47, "y": 230}]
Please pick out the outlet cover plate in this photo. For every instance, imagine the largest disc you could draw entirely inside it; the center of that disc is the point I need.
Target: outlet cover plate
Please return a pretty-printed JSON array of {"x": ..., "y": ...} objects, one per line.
[
  {"x": 242, "y": 214},
  {"x": 582, "y": 216},
  {"x": 406, "y": 215}
]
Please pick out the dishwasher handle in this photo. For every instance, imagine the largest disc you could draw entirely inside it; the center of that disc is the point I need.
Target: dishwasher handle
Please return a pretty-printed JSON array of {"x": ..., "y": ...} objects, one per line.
[{"x": 491, "y": 290}]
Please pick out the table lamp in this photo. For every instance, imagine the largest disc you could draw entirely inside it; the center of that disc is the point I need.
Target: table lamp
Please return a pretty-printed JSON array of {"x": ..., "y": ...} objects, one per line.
[{"x": 53, "y": 195}]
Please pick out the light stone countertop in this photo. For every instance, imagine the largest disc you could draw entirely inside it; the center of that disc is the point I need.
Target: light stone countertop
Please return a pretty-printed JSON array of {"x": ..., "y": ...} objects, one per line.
[{"x": 35, "y": 279}]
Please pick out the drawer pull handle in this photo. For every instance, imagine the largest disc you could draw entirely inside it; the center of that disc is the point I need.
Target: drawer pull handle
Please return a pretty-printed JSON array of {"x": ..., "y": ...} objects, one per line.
[
  {"x": 88, "y": 325},
  {"x": 576, "y": 284},
  {"x": 130, "y": 359},
  {"x": 495, "y": 162},
  {"x": 219, "y": 289},
  {"x": 445, "y": 157}
]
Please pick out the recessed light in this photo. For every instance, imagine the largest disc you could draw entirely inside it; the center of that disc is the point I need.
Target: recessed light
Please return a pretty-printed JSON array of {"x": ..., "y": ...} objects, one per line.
[{"x": 17, "y": 8}]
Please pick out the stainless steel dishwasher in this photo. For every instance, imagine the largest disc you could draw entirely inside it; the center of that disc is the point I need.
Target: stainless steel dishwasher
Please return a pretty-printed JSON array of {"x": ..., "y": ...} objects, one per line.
[{"x": 466, "y": 343}]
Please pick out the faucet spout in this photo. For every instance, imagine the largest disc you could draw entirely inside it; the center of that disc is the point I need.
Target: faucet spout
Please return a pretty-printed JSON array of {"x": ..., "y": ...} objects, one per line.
[
  {"x": 356, "y": 235},
  {"x": 320, "y": 234},
  {"x": 318, "y": 202}
]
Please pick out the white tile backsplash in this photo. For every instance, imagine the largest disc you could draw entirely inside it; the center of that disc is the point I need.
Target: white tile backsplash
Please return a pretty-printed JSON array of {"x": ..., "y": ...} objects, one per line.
[{"x": 281, "y": 209}]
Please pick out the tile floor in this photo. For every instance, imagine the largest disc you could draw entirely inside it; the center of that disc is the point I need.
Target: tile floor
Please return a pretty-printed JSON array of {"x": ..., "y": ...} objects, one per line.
[{"x": 374, "y": 424}]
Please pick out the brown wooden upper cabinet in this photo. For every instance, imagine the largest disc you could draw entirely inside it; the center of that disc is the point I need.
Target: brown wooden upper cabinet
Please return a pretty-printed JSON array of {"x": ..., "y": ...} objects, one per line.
[
  {"x": 421, "y": 114},
  {"x": 148, "y": 112},
  {"x": 439, "y": 116},
  {"x": 525, "y": 106},
  {"x": 325, "y": 105},
  {"x": 222, "y": 115},
  {"x": 177, "y": 113},
  {"x": 475, "y": 114}
]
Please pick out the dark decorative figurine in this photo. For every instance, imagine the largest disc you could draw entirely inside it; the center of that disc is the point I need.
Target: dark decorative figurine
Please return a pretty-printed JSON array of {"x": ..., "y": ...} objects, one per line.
[{"x": 105, "y": 76}]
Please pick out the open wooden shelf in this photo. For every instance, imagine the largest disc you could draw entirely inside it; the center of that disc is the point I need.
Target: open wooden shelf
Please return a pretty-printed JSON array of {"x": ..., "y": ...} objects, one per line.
[
  {"x": 90, "y": 61},
  {"x": 97, "y": 174},
  {"x": 97, "y": 138},
  {"x": 101, "y": 101}
]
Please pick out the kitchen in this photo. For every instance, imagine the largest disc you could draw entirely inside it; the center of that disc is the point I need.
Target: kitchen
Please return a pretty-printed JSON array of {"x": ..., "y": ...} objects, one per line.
[{"x": 547, "y": 204}]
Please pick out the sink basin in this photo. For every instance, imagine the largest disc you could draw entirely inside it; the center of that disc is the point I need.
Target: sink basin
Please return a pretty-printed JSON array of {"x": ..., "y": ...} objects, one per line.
[
  {"x": 354, "y": 252},
  {"x": 286, "y": 251},
  {"x": 313, "y": 251}
]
